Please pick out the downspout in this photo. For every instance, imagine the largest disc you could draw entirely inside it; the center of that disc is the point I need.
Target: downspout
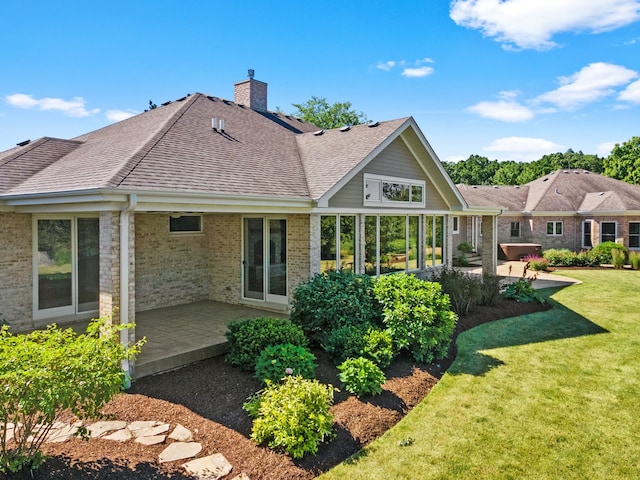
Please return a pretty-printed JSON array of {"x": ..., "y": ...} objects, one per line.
[{"x": 125, "y": 214}]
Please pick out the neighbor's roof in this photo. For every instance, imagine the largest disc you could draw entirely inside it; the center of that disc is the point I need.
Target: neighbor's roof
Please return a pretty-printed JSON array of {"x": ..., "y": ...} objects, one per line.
[
  {"x": 559, "y": 191},
  {"x": 173, "y": 148}
]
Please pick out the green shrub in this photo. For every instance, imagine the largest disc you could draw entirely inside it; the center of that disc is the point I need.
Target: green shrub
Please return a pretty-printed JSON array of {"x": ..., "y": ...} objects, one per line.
[
  {"x": 462, "y": 260},
  {"x": 464, "y": 289},
  {"x": 601, "y": 253},
  {"x": 490, "y": 291},
  {"x": 567, "y": 258},
  {"x": 360, "y": 376},
  {"x": 327, "y": 301},
  {"x": 618, "y": 258},
  {"x": 537, "y": 264},
  {"x": 634, "y": 260},
  {"x": 418, "y": 315},
  {"x": 465, "y": 247},
  {"x": 360, "y": 341},
  {"x": 247, "y": 338},
  {"x": 48, "y": 373},
  {"x": 522, "y": 291},
  {"x": 378, "y": 347},
  {"x": 292, "y": 416},
  {"x": 278, "y": 361}
]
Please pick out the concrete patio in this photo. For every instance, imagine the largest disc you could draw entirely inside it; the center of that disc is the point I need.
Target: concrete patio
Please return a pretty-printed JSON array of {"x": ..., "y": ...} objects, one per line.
[{"x": 183, "y": 334}]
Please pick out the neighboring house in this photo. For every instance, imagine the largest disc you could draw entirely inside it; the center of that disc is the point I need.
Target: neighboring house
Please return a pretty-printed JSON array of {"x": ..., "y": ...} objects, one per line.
[
  {"x": 574, "y": 209},
  {"x": 209, "y": 199}
]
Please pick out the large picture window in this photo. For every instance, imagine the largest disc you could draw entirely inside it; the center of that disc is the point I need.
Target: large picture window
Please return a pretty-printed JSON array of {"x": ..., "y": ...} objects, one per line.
[
  {"x": 392, "y": 243},
  {"x": 379, "y": 190}
]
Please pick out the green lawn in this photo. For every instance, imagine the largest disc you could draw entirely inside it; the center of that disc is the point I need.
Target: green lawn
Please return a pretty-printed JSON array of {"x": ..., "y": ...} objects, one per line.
[{"x": 553, "y": 395}]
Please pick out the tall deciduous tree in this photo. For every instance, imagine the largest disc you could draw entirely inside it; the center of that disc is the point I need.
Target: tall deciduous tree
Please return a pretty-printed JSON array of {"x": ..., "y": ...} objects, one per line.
[
  {"x": 319, "y": 112},
  {"x": 624, "y": 161}
]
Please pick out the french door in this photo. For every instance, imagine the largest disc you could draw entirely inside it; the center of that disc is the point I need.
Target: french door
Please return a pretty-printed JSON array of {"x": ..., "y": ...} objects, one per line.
[
  {"x": 66, "y": 266},
  {"x": 265, "y": 259}
]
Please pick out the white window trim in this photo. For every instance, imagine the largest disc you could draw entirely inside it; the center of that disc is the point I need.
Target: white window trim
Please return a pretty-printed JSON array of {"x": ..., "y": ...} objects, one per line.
[
  {"x": 391, "y": 203},
  {"x": 455, "y": 222},
  {"x": 615, "y": 233},
  {"x": 555, "y": 230},
  {"x": 190, "y": 232}
]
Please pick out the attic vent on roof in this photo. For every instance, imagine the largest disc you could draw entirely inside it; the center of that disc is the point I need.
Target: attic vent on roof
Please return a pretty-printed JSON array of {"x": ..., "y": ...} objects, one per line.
[
  {"x": 495, "y": 186},
  {"x": 181, "y": 99},
  {"x": 166, "y": 103},
  {"x": 213, "y": 99},
  {"x": 517, "y": 187},
  {"x": 217, "y": 124},
  {"x": 346, "y": 128},
  {"x": 22, "y": 144},
  {"x": 557, "y": 192},
  {"x": 318, "y": 133},
  {"x": 545, "y": 179},
  {"x": 373, "y": 124},
  {"x": 601, "y": 193}
]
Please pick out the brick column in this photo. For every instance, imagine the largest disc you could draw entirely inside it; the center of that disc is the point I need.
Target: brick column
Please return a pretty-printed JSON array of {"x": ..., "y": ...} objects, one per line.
[
  {"x": 314, "y": 243},
  {"x": 489, "y": 246},
  {"x": 110, "y": 265}
]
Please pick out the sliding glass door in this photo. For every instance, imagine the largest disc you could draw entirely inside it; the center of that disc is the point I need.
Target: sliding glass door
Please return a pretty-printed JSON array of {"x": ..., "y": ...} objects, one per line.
[
  {"x": 265, "y": 259},
  {"x": 66, "y": 266}
]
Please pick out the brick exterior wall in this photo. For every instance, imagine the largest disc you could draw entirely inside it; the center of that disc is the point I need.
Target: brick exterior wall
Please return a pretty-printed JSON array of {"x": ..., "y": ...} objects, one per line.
[
  {"x": 252, "y": 93},
  {"x": 298, "y": 260},
  {"x": 224, "y": 234},
  {"x": 110, "y": 265},
  {"x": 16, "y": 270},
  {"x": 170, "y": 269}
]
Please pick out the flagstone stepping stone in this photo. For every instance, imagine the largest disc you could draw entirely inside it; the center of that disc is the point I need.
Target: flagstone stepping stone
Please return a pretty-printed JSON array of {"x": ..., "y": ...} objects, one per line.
[
  {"x": 99, "y": 428},
  {"x": 151, "y": 440},
  {"x": 61, "y": 433},
  {"x": 242, "y": 476},
  {"x": 212, "y": 467},
  {"x": 180, "y": 451},
  {"x": 119, "y": 435},
  {"x": 181, "y": 434},
  {"x": 151, "y": 431}
]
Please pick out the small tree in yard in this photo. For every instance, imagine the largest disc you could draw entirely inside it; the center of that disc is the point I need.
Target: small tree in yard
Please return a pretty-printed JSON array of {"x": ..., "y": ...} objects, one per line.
[{"x": 49, "y": 374}]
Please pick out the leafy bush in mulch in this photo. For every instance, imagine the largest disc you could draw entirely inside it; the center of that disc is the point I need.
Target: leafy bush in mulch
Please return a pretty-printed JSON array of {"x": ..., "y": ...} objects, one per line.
[
  {"x": 278, "y": 361},
  {"x": 248, "y": 338},
  {"x": 360, "y": 376},
  {"x": 361, "y": 340}
]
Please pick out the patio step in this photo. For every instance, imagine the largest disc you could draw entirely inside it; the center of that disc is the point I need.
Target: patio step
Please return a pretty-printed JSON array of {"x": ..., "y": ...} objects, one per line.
[{"x": 152, "y": 367}]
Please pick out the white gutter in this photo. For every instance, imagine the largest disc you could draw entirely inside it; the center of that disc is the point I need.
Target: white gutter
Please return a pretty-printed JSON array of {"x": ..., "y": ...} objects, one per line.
[{"x": 125, "y": 214}]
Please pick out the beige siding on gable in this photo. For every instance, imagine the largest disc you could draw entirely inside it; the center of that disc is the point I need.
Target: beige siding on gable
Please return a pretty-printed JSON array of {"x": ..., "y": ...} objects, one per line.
[{"x": 395, "y": 161}]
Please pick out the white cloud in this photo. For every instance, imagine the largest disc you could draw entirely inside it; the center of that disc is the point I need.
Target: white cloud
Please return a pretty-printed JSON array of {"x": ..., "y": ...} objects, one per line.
[
  {"x": 506, "y": 110},
  {"x": 118, "y": 115},
  {"x": 631, "y": 93},
  {"x": 72, "y": 108},
  {"x": 591, "y": 83},
  {"x": 523, "y": 149},
  {"x": 417, "y": 72},
  {"x": 413, "y": 69},
  {"x": 386, "y": 66},
  {"x": 531, "y": 24},
  {"x": 604, "y": 149}
]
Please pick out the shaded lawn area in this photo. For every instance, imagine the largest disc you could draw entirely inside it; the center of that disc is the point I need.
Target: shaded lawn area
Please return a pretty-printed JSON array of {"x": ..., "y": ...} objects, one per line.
[{"x": 549, "y": 395}]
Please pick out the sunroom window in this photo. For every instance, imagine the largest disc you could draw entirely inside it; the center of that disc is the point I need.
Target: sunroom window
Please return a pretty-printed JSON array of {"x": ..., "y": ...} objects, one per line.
[{"x": 388, "y": 191}]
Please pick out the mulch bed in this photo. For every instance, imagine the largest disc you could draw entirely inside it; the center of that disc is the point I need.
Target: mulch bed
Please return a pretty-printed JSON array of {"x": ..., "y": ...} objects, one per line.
[{"x": 207, "y": 398}]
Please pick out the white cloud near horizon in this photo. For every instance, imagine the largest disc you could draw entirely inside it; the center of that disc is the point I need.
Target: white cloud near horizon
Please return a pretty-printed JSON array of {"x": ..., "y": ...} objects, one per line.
[
  {"x": 631, "y": 93},
  {"x": 527, "y": 24},
  {"x": 119, "y": 115},
  {"x": 604, "y": 149},
  {"x": 523, "y": 149},
  {"x": 591, "y": 83},
  {"x": 72, "y": 108}
]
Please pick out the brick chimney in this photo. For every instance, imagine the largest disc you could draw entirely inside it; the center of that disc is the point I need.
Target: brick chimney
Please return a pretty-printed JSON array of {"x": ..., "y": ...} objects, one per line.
[{"x": 251, "y": 92}]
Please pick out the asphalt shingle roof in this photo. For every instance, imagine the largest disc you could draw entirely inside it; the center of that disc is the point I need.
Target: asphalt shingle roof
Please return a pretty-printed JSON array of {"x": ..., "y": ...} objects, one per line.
[
  {"x": 173, "y": 148},
  {"x": 559, "y": 191}
]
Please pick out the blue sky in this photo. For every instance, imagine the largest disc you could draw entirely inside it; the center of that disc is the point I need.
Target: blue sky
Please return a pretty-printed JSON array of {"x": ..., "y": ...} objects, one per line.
[{"x": 506, "y": 79}]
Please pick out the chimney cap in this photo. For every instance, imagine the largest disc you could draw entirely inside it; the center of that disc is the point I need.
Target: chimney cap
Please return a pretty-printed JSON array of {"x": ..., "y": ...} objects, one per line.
[{"x": 250, "y": 73}]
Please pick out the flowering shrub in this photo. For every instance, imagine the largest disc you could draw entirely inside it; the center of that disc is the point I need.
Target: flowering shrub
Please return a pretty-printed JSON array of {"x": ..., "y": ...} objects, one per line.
[
  {"x": 538, "y": 264},
  {"x": 360, "y": 376},
  {"x": 278, "y": 361},
  {"x": 292, "y": 416}
]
